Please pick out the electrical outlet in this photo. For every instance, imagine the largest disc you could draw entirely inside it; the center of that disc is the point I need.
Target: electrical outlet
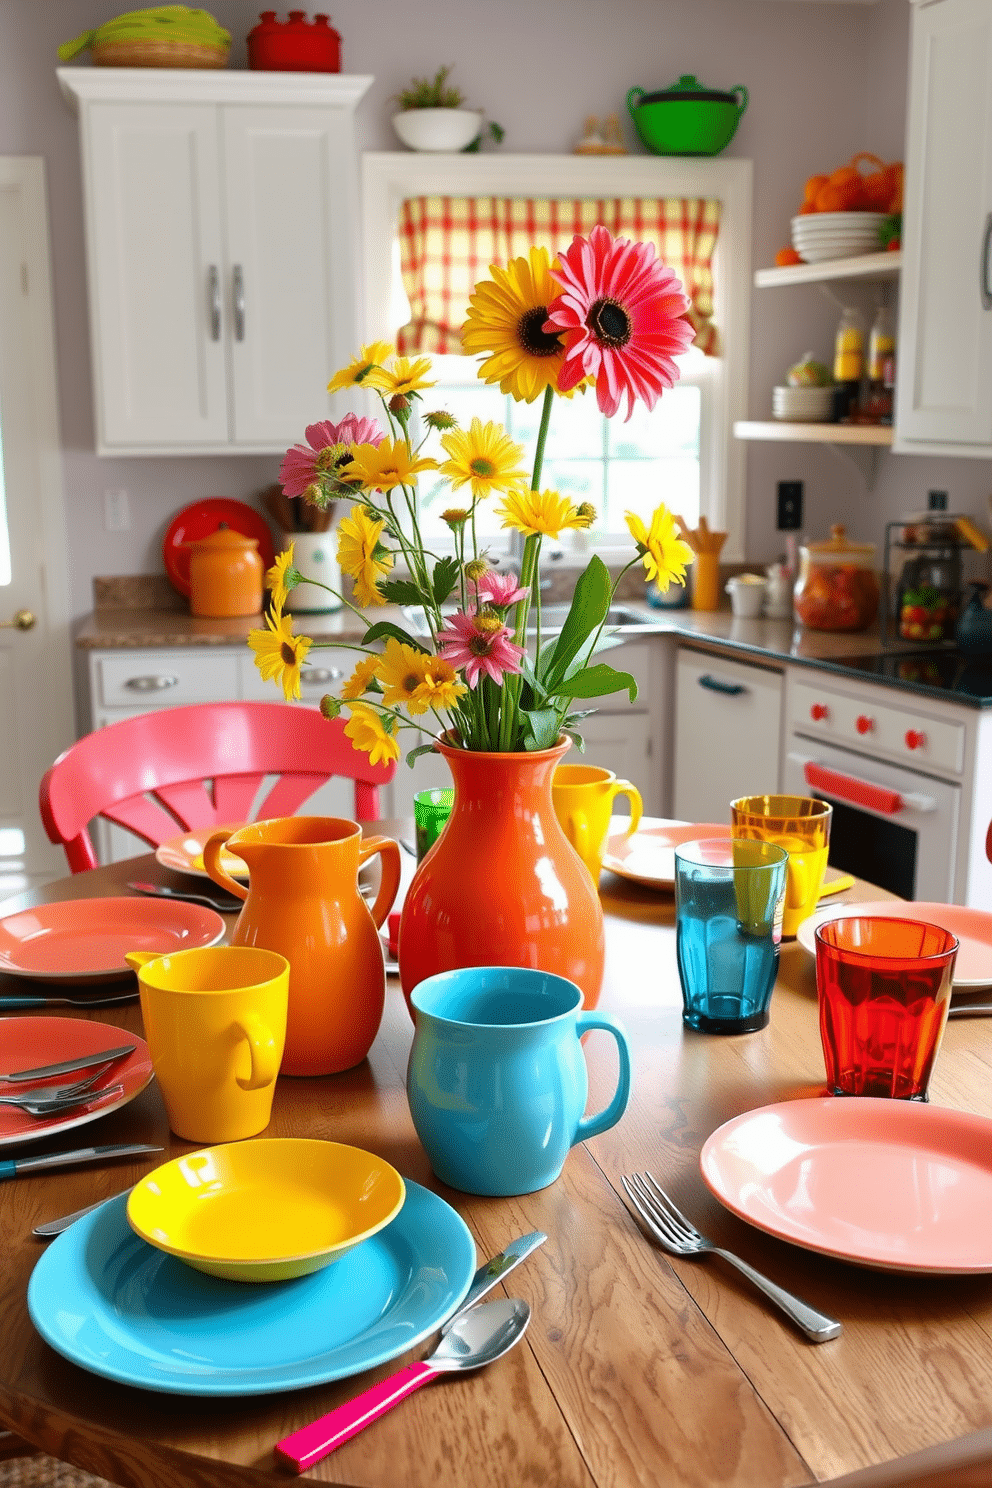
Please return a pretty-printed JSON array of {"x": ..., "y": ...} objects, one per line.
[
  {"x": 116, "y": 511},
  {"x": 790, "y": 506}
]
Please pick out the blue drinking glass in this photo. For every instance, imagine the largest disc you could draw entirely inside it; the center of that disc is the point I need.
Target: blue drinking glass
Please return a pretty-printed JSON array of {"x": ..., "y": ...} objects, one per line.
[{"x": 729, "y": 901}]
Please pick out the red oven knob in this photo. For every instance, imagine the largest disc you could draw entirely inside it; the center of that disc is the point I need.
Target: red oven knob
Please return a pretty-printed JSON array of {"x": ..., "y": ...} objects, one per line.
[
  {"x": 818, "y": 712},
  {"x": 864, "y": 724},
  {"x": 914, "y": 739}
]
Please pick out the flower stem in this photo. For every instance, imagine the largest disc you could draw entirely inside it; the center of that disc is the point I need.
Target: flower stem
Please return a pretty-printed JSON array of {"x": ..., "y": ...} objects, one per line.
[{"x": 542, "y": 437}]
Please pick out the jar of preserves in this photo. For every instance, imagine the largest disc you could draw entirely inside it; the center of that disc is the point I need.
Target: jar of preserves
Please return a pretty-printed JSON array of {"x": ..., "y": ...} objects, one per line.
[{"x": 837, "y": 587}]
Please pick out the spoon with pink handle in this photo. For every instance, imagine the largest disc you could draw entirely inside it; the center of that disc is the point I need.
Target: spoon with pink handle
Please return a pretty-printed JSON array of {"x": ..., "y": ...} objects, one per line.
[{"x": 479, "y": 1337}]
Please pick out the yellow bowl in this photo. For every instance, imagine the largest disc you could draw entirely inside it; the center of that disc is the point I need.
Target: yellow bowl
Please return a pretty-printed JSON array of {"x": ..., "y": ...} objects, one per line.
[{"x": 268, "y": 1209}]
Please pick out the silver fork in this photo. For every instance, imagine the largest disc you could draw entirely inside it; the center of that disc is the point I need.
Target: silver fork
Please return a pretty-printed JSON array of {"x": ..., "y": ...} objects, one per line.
[
  {"x": 674, "y": 1232},
  {"x": 70, "y": 1103},
  {"x": 53, "y": 1094}
]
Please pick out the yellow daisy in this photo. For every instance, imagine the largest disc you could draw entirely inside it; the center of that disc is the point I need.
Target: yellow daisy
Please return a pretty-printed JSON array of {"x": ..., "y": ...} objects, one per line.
[
  {"x": 282, "y": 577},
  {"x": 442, "y": 684},
  {"x": 665, "y": 554},
  {"x": 361, "y": 555},
  {"x": 406, "y": 376},
  {"x": 380, "y": 468},
  {"x": 401, "y": 673},
  {"x": 483, "y": 457},
  {"x": 365, "y": 371},
  {"x": 360, "y": 679},
  {"x": 541, "y": 512},
  {"x": 279, "y": 655},
  {"x": 367, "y": 732},
  {"x": 506, "y": 318}
]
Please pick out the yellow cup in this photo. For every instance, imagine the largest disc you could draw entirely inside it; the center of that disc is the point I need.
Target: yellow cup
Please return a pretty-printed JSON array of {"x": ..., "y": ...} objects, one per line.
[
  {"x": 800, "y": 824},
  {"x": 215, "y": 1022},
  {"x": 583, "y": 798}
]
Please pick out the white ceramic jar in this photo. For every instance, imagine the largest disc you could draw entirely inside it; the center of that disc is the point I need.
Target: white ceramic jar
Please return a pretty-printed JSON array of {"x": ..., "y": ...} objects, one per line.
[
  {"x": 315, "y": 555},
  {"x": 747, "y": 595}
]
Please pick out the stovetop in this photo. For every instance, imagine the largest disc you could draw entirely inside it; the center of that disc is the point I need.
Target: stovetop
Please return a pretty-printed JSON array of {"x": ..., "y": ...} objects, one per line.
[{"x": 947, "y": 674}]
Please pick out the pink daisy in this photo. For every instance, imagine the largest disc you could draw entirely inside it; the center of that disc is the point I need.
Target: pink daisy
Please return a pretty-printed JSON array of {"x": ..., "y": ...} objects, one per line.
[
  {"x": 622, "y": 310},
  {"x": 499, "y": 590},
  {"x": 303, "y": 467},
  {"x": 479, "y": 643}
]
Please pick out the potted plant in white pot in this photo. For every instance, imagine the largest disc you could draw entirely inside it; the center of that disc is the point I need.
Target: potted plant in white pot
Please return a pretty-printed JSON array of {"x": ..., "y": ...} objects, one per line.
[{"x": 432, "y": 117}]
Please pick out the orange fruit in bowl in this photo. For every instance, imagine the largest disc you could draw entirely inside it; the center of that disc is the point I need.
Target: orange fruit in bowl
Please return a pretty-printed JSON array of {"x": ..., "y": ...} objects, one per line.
[
  {"x": 832, "y": 198},
  {"x": 812, "y": 187},
  {"x": 786, "y": 256}
]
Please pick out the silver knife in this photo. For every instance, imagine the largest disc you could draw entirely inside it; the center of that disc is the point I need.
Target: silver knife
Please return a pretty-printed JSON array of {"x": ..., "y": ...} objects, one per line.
[
  {"x": 55, "y": 1226},
  {"x": 84, "y": 1061},
  {"x": 493, "y": 1271},
  {"x": 14, "y": 1167}
]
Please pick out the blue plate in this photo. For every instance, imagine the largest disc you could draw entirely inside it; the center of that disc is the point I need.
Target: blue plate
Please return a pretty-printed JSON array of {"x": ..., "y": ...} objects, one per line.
[{"x": 109, "y": 1302}]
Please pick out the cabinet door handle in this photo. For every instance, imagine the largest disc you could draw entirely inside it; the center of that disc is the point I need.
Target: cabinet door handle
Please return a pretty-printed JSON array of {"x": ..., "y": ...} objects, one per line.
[
  {"x": 713, "y": 684},
  {"x": 985, "y": 279},
  {"x": 157, "y": 682},
  {"x": 321, "y": 674},
  {"x": 238, "y": 282},
  {"x": 213, "y": 288}
]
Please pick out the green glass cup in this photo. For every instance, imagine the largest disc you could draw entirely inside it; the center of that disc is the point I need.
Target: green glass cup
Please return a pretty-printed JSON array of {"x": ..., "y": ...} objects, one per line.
[{"x": 431, "y": 809}]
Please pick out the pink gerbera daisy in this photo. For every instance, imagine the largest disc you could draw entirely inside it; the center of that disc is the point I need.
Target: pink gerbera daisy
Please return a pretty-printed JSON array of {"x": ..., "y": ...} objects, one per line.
[
  {"x": 328, "y": 445},
  {"x": 622, "y": 310},
  {"x": 499, "y": 590},
  {"x": 477, "y": 644}
]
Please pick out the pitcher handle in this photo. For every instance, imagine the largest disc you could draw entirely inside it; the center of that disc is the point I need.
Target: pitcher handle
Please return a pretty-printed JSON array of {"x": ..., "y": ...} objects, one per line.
[
  {"x": 634, "y": 96},
  {"x": 263, "y": 1050},
  {"x": 591, "y": 1126},
  {"x": 624, "y": 788},
  {"x": 390, "y": 882},
  {"x": 740, "y": 88},
  {"x": 211, "y": 862}
]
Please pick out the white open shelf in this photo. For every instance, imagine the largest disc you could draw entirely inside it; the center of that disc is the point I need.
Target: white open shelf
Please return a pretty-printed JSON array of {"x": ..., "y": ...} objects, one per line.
[{"x": 866, "y": 266}]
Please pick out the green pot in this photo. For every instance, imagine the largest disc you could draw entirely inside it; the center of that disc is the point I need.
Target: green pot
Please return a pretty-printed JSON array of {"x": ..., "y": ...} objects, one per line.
[{"x": 687, "y": 119}]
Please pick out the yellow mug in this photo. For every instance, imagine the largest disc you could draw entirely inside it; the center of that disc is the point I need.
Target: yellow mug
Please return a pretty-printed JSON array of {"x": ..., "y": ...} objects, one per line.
[
  {"x": 800, "y": 824},
  {"x": 583, "y": 797},
  {"x": 215, "y": 1023}
]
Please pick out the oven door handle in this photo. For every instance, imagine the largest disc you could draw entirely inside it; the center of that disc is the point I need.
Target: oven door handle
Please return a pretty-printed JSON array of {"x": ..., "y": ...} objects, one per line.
[{"x": 857, "y": 792}]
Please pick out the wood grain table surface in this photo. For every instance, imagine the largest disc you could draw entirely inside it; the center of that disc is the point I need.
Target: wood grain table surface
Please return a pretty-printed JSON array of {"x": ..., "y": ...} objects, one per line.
[{"x": 637, "y": 1369}]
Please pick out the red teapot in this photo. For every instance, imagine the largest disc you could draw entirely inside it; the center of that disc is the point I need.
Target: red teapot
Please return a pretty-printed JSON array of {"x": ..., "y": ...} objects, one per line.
[{"x": 296, "y": 45}]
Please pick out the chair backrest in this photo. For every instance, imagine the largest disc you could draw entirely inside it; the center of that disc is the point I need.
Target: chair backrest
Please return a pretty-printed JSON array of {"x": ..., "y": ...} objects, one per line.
[{"x": 200, "y": 766}]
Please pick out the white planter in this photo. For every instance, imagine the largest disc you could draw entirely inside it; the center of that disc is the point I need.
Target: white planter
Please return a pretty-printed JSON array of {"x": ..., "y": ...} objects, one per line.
[
  {"x": 315, "y": 555},
  {"x": 438, "y": 130}
]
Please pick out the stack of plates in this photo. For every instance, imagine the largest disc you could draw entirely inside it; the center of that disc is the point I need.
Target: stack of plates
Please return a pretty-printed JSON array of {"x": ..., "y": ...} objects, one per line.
[
  {"x": 823, "y": 235},
  {"x": 803, "y": 405}
]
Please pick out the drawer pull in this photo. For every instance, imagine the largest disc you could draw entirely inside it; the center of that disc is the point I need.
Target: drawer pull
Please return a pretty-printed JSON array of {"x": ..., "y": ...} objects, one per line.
[
  {"x": 157, "y": 682},
  {"x": 213, "y": 289},
  {"x": 985, "y": 282},
  {"x": 713, "y": 684},
  {"x": 238, "y": 288},
  {"x": 321, "y": 674},
  {"x": 864, "y": 724},
  {"x": 915, "y": 740},
  {"x": 818, "y": 712}
]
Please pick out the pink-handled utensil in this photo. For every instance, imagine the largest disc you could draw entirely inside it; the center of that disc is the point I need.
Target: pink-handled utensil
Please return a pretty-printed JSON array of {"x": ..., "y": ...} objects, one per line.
[{"x": 482, "y": 1335}]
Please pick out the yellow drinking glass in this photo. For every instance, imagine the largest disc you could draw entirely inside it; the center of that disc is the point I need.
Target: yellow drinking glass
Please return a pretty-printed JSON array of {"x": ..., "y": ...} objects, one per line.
[
  {"x": 583, "y": 797},
  {"x": 800, "y": 824}
]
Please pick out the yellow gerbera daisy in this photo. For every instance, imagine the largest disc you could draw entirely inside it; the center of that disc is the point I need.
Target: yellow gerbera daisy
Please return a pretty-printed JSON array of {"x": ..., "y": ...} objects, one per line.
[
  {"x": 361, "y": 677},
  {"x": 368, "y": 733},
  {"x": 366, "y": 370},
  {"x": 406, "y": 376},
  {"x": 361, "y": 556},
  {"x": 282, "y": 577},
  {"x": 380, "y": 468},
  {"x": 541, "y": 511},
  {"x": 484, "y": 457},
  {"x": 279, "y": 655},
  {"x": 442, "y": 684},
  {"x": 401, "y": 673},
  {"x": 506, "y": 318},
  {"x": 665, "y": 554}
]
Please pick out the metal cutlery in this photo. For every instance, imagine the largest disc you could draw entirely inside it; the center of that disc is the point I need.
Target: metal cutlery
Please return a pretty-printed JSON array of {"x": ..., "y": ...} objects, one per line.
[
  {"x": 55, "y": 1092},
  {"x": 53, "y": 1227},
  {"x": 76, "y": 1002},
  {"x": 14, "y": 1167},
  {"x": 36, "y": 1106},
  {"x": 969, "y": 1009},
  {"x": 492, "y": 1272},
  {"x": 105, "y": 1057},
  {"x": 678, "y": 1236},
  {"x": 229, "y": 905}
]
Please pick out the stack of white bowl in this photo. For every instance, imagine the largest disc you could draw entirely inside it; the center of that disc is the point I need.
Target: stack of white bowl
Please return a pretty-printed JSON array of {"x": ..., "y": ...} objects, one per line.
[
  {"x": 803, "y": 405},
  {"x": 821, "y": 235}
]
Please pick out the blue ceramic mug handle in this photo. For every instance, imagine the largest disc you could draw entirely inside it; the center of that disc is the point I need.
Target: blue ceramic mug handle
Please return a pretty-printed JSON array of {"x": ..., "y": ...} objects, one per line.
[{"x": 591, "y": 1126}]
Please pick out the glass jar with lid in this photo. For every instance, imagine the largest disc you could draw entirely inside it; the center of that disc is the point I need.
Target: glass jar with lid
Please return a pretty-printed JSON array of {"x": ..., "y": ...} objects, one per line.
[
  {"x": 929, "y": 585},
  {"x": 837, "y": 587}
]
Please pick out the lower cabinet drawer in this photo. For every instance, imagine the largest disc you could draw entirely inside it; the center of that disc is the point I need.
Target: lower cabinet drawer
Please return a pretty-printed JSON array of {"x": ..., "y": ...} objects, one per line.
[
  {"x": 152, "y": 679},
  {"x": 728, "y": 718}
]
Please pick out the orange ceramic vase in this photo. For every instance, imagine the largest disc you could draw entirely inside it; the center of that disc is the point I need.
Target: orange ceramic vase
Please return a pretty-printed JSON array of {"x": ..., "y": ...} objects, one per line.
[
  {"x": 303, "y": 901},
  {"x": 502, "y": 885}
]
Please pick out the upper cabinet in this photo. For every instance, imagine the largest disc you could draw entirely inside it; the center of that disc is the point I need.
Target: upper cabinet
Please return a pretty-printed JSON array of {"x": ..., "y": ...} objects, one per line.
[
  {"x": 944, "y": 383},
  {"x": 221, "y": 213}
]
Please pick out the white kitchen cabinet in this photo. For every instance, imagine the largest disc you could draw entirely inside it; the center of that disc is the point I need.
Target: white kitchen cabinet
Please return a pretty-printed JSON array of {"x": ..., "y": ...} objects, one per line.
[
  {"x": 220, "y": 214},
  {"x": 944, "y": 383},
  {"x": 728, "y": 726}
]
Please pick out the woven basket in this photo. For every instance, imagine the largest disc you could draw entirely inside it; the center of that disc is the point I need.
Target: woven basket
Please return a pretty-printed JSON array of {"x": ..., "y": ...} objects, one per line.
[{"x": 158, "y": 54}]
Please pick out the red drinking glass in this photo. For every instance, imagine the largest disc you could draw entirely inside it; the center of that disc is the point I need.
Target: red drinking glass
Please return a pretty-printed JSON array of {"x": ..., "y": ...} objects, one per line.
[{"x": 884, "y": 987}]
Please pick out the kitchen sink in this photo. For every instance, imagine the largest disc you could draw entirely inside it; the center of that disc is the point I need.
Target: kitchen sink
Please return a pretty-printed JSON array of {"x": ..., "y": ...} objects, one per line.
[{"x": 618, "y": 618}]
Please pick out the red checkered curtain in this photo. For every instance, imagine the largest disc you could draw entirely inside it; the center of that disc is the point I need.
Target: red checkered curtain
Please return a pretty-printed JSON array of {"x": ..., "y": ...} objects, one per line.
[{"x": 447, "y": 244}]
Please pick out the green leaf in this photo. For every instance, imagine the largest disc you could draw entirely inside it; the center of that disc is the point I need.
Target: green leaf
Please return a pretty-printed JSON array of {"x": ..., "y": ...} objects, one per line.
[
  {"x": 597, "y": 681},
  {"x": 414, "y": 754},
  {"x": 576, "y": 739},
  {"x": 402, "y": 592},
  {"x": 540, "y": 728},
  {"x": 383, "y": 628},
  {"x": 445, "y": 575},
  {"x": 590, "y": 603}
]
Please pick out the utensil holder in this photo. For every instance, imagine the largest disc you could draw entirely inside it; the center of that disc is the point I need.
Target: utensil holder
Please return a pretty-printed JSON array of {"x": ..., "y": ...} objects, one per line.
[{"x": 706, "y": 582}]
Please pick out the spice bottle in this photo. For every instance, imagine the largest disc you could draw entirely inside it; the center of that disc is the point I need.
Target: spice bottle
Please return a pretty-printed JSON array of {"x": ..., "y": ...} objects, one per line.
[
  {"x": 881, "y": 368},
  {"x": 849, "y": 362}
]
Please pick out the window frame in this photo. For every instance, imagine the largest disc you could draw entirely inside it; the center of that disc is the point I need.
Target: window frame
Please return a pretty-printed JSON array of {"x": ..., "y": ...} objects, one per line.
[{"x": 390, "y": 177}]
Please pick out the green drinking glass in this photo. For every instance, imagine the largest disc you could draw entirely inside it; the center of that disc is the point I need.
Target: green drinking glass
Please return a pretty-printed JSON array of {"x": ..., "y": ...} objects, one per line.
[{"x": 431, "y": 809}]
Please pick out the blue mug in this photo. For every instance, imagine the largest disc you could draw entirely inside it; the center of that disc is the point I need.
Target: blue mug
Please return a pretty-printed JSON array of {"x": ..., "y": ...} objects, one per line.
[{"x": 497, "y": 1079}]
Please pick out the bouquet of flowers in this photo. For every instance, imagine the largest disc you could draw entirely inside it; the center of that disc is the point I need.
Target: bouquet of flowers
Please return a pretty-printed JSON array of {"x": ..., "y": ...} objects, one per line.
[{"x": 605, "y": 313}]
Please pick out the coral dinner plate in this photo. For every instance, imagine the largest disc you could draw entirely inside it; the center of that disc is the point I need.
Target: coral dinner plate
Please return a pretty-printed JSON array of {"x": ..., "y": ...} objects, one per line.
[
  {"x": 648, "y": 857},
  {"x": 85, "y": 940},
  {"x": 29, "y": 1043},
  {"x": 973, "y": 928},
  {"x": 184, "y": 854},
  {"x": 202, "y": 519},
  {"x": 892, "y": 1184}
]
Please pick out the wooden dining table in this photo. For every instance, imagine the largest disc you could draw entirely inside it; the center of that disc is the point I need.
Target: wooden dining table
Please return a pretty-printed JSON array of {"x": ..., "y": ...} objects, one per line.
[{"x": 637, "y": 1368}]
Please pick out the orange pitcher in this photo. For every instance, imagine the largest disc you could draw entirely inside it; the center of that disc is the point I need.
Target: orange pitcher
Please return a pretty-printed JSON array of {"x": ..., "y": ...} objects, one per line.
[{"x": 302, "y": 900}]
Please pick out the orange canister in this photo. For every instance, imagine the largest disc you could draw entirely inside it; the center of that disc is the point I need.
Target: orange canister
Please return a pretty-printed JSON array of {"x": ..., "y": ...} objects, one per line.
[{"x": 226, "y": 575}]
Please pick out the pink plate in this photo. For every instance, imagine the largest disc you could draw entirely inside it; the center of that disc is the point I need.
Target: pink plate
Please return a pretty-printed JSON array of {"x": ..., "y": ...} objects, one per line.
[
  {"x": 648, "y": 857},
  {"x": 184, "y": 854},
  {"x": 973, "y": 928},
  {"x": 84, "y": 940},
  {"x": 891, "y": 1184},
  {"x": 27, "y": 1043}
]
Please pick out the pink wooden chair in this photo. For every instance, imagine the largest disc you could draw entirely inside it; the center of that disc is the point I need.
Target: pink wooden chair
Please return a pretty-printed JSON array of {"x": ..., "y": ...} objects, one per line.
[{"x": 199, "y": 766}]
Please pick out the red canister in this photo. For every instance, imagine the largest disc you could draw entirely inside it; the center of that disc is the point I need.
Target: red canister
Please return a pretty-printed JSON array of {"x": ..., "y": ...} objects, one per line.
[{"x": 296, "y": 45}]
